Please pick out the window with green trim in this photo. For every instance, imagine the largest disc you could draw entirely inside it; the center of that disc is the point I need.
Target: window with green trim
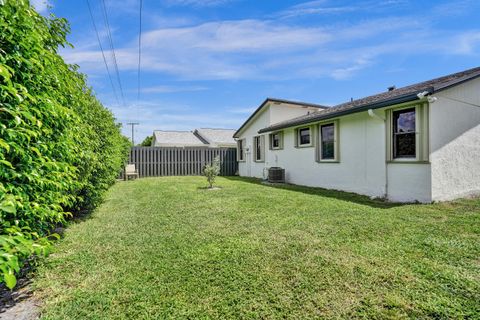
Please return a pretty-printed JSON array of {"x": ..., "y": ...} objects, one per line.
[
  {"x": 327, "y": 142},
  {"x": 327, "y": 132},
  {"x": 404, "y": 134},
  {"x": 276, "y": 140},
  {"x": 407, "y": 133}
]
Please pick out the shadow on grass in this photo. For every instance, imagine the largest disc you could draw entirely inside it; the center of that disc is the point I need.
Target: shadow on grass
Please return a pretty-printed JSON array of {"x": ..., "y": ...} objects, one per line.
[
  {"x": 209, "y": 189},
  {"x": 335, "y": 194}
]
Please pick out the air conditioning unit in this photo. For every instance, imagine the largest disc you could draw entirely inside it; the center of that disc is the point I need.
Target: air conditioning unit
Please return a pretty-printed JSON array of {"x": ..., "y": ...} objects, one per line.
[{"x": 276, "y": 174}]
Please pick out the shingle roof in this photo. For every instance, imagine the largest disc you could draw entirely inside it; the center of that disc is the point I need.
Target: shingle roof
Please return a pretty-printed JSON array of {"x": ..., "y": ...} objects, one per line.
[
  {"x": 177, "y": 139},
  {"x": 400, "y": 95},
  {"x": 217, "y": 136},
  {"x": 305, "y": 104}
]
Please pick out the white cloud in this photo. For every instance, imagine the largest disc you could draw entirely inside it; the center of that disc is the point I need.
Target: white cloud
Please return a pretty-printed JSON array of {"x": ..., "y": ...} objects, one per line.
[
  {"x": 348, "y": 72},
  {"x": 216, "y": 50},
  {"x": 314, "y": 7},
  {"x": 256, "y": 49},
  {"x": 276, "y": 49},
  {"x": 40, "y": 5},
  {"x": 172, "y": 89},
  {"x": 197, "y": 3},
  {"x": 235, "y": 36},
  {"x": 467, "y": 42}
]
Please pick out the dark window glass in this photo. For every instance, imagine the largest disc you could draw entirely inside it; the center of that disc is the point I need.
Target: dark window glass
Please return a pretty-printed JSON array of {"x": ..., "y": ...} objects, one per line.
[
  {"x": 240, "y": 149},
  {"x": 328, "y": 141},
  {"x": 276, "y": 140},
  {"x": 304, "y": 136},
  {"x": 404, "y": 133},
  {"x": 258, "y": 148}
]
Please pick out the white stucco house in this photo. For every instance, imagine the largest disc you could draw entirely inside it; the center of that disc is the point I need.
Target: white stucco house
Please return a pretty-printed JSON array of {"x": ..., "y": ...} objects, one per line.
[{"x": 416, "y": 143}]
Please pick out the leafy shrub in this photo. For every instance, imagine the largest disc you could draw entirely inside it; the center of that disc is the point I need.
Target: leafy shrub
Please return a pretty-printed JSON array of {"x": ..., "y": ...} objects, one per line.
[
  {"x": 147, "y": 142},
  {"x": 60, "y": 149},
  {"x": 211, "y": 171},
  {"x": 17, "y": 246}
]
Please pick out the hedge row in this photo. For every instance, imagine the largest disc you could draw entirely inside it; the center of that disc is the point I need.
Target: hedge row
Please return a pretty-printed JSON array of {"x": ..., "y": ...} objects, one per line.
[{"x": 60, "y": 149}]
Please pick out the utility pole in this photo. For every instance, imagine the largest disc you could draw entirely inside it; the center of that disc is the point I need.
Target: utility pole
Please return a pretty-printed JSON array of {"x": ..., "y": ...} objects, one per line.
[{"x": 133, "y": 124}]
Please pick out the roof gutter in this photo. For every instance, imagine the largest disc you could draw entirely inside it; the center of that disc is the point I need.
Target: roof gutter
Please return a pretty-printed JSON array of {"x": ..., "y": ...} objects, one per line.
[{"x": 376, "y": 105}]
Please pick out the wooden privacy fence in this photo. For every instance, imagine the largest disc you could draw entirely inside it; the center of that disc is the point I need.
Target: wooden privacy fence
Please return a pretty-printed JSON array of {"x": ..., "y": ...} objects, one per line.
[{"x": 170, "y": 161}]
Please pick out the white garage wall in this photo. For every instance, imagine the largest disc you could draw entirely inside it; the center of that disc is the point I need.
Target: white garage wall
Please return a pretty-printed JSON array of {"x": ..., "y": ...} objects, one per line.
[{"x": 455, "y": 142}]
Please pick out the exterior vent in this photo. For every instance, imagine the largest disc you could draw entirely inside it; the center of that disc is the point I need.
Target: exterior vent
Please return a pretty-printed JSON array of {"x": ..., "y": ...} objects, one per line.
[
  {"x": 391, "y": 88},
  {"x": 276, "y": 174}
]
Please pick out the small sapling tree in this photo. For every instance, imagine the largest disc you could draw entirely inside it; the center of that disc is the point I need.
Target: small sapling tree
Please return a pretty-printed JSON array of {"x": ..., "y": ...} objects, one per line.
[{"x": 211, "y": 171}]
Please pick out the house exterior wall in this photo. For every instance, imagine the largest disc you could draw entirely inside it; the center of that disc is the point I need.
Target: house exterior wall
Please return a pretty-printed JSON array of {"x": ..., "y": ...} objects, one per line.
[
  {"x": 282, "y": 112},
  {"x": 451, "y": 170},
  {"x": 362, "y": 167},
  {"x": 409, "y": 182},
  {"x": 249, "y": 167},
  {"x": 269, "y": 115},
  {"x": 455, "y": 142}
]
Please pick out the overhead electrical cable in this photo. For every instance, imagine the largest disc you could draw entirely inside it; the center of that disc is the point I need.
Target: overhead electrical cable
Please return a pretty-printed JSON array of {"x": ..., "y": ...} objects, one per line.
[
  {"x": 139, "y": 50},
  {"x": 103, "y": 54},
  {"x": 112, "y": 48}
]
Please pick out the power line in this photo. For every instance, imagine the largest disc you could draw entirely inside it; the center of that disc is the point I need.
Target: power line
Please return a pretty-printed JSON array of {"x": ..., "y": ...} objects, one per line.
[
  {"x": 139, "y": 50},
  {"x": 103, "y": 54},
  {"x": 114, "y": 57}
]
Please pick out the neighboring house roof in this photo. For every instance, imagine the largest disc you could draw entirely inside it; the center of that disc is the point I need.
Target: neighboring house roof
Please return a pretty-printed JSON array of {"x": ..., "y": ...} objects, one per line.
[
  {"x": 395, "y": 96},
  {"x": 177, "y": 139},
  {"x": 305, "y": 104},
  {"x": 216, "y": 136}
]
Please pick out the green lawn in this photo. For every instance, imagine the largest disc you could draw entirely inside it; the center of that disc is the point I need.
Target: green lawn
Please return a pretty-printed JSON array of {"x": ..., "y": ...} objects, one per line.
[{"x": 168, "y": 248}]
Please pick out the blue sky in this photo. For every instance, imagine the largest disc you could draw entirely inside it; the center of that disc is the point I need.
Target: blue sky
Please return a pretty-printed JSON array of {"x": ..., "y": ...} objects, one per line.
[{"x": 210, "y": 63}]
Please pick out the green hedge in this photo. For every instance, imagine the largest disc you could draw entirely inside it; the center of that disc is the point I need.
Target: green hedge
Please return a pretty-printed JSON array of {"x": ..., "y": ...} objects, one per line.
[{"x": 60, "y": 149}]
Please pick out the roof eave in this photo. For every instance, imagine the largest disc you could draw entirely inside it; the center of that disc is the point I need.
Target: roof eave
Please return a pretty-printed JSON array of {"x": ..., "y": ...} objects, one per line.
[
  {"x": 237, "y": 133},
  {"x": 376, "y": 105},
  {"x": 456, "y": 83},
  {"x": 267, "y": 100}
]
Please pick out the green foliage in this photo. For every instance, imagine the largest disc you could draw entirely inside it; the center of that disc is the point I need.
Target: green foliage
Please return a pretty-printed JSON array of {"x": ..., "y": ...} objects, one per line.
[
  {"x": 60, "y": 149},
  {"x": 16, "y": 246},
  {"x": 211, "y": 171},
  {"x": 147, "y": 142}
]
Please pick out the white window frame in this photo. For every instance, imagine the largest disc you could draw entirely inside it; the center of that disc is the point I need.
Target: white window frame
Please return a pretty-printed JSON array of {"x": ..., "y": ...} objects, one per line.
[
  {"x": 336, "y": 149},
  {"x": 280, "y": 140},
  {"x": 421, "y": 134},
  {"x": 297, "y": 137},
  {"x": 241, "y": 152}
]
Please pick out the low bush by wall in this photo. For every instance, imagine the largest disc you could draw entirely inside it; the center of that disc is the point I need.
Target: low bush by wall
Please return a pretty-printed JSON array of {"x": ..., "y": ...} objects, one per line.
[{"x": 60, "y": 149}]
